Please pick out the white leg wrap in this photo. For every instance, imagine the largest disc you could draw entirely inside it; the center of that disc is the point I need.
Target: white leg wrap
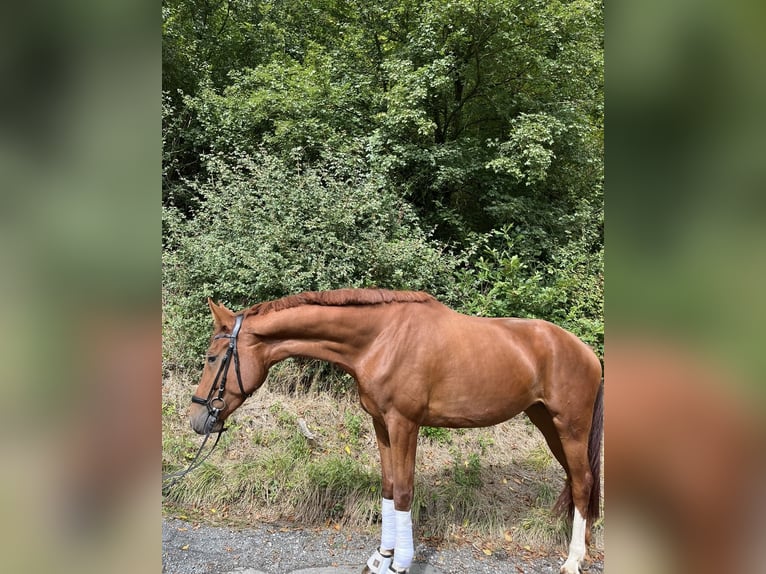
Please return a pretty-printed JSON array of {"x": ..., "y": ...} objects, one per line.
[
  {"x": 405, "y": 550},
  {"x": 388, "y": 529},
  {"x": 576, "y": 545},
  {"x": 378, "y": 564}
]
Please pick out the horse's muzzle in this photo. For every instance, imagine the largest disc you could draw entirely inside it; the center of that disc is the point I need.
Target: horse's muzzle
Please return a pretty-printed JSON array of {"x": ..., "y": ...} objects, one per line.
[{"x": 202, "y": 422}]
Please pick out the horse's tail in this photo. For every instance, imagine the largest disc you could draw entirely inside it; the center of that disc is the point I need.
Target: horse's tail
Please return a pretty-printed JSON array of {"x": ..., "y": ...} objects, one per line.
[
  {"x": 565, "y": 504},
  {"x": 594, "y": 455}
]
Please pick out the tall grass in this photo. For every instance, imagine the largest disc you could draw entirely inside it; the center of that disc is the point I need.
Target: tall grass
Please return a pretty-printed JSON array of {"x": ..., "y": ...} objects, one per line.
[{"x": 341, "y": 489}]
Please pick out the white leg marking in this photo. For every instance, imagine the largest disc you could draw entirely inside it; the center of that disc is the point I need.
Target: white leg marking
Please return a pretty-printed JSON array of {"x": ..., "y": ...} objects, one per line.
[
  {"x": 405, "y": 549},
  {"x": 576, "y": 545}
]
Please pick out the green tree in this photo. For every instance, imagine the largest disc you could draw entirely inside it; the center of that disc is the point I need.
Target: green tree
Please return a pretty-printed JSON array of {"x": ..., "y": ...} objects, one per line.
[
  {"x": 472, "y": 128},
  {"x": 468, "y": 107}
]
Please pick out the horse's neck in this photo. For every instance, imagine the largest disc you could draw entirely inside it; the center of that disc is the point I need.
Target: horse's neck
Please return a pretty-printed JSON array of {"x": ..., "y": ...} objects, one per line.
[{"x": 335, "y": 334}]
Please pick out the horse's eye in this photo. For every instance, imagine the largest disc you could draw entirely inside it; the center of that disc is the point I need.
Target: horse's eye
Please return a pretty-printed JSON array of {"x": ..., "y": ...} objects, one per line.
[{"x": 211, "y": 359}]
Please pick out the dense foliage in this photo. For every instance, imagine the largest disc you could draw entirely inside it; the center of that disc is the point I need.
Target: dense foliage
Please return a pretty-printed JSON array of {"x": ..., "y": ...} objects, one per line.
[{"x": 448, "y": 145}]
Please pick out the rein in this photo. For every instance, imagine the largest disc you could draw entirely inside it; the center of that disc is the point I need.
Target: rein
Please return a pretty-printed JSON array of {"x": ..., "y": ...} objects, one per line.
[
  {"x": 174, "y": 477},
  {"x": 214, "y": 404}
]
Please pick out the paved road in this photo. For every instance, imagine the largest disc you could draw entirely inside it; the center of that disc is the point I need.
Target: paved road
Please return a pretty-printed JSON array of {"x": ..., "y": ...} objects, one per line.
[{"x": 191, "y": 549}]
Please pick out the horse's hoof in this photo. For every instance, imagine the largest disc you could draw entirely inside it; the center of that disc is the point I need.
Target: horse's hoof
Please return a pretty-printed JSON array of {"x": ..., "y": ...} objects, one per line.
[{"x": 378, "y": 563}]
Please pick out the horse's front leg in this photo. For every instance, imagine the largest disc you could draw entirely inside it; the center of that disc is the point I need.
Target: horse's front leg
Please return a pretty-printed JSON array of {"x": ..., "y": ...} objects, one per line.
[
  {"x": 381, "y": 559},
  {"x": 404, "y": 441}
]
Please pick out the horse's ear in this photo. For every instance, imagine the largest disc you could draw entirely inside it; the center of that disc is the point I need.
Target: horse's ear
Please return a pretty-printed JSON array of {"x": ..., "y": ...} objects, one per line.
[{"x": 221, "y": 315}]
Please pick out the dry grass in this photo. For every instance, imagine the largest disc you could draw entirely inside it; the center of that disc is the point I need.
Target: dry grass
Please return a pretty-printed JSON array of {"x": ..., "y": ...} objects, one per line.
[{"x": 492, "y": 486}]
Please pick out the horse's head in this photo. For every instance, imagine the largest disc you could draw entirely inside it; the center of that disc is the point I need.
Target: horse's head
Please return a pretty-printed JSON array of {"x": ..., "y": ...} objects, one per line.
[{"x": 235, "y": 367}]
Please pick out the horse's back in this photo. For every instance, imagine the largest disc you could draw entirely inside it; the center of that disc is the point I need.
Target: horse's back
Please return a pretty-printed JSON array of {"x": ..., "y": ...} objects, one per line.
[
  {"x": 541, "y": 341},
  {"x": 531, "y": 345}
]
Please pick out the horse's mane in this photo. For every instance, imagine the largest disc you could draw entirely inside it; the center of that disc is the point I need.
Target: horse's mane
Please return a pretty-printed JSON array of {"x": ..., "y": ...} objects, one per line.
[{"x": 340, "y": 297}]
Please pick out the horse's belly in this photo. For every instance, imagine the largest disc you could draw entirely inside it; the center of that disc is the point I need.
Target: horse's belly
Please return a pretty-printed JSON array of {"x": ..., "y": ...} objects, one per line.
[
  {"x": 483, "y": 396},
  {"x": 475, "y": 414}
]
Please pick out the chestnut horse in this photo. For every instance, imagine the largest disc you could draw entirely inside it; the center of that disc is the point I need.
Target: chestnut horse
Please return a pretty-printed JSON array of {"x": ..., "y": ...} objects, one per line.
[{"x": 416, "y": 362}]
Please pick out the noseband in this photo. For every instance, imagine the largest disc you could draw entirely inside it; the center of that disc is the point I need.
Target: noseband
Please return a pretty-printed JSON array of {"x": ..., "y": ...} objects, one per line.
[{"x": 215, "y": 404}]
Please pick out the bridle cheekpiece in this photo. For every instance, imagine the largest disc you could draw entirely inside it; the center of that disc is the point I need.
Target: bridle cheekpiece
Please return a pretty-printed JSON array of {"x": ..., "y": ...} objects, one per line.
[{"x": 215, "y": 404}]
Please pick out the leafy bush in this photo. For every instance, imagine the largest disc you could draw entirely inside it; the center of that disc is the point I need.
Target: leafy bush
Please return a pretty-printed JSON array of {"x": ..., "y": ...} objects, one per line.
[
  {"x": 266, "y": 229},
  {"x": 568, "y": 290}
]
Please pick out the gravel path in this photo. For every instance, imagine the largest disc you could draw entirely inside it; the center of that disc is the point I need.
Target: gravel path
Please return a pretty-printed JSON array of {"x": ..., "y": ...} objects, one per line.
[{"x": 188, "y": 548}]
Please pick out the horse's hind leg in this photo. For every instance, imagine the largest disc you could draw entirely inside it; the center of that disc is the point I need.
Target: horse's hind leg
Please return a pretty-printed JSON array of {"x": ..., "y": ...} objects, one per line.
[
  {"x": 543, "y": 420},
  {"x": 574, "y": 441}
]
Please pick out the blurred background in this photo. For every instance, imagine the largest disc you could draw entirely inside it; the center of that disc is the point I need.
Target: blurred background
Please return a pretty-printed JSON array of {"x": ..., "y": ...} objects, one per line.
[
  {"x": 79, "y": 252},
  {"x": 686, "y": 247},
  {"x": 80, "y": 245}
]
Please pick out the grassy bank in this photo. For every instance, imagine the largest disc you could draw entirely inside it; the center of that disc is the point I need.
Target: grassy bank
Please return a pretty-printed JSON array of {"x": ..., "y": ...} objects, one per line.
[{"x": 493, "y": 487}]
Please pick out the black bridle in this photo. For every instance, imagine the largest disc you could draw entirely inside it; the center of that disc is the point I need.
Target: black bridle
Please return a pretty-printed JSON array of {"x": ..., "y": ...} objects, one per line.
[{"x": 215, "y": 404}]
